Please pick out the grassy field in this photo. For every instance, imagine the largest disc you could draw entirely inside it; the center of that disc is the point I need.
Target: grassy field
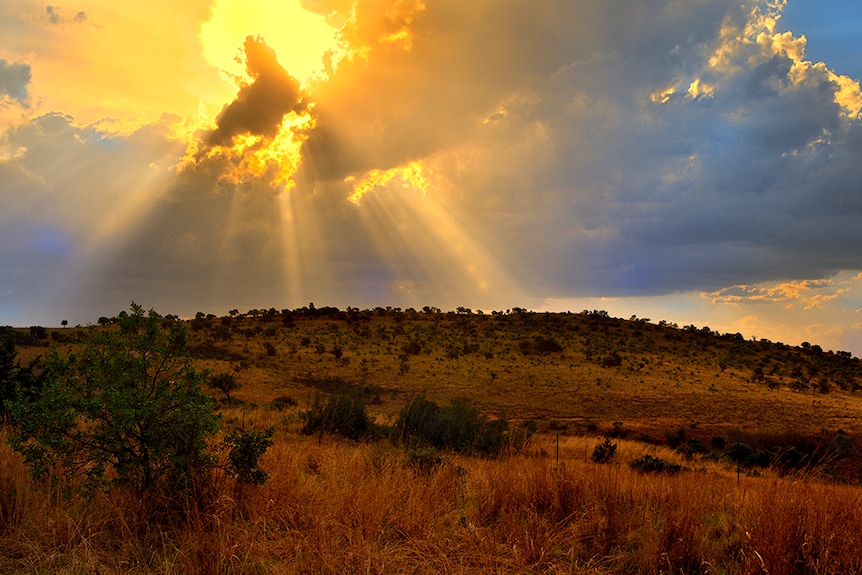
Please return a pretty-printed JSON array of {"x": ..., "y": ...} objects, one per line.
[{"x": 336, "y": 506}]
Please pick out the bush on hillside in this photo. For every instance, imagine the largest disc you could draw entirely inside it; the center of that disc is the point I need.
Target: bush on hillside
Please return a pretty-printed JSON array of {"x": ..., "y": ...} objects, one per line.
[
  {"x": 245, "y": 451},
  {"x": 342, "y": 414},
  {"x": 126, "y": 409},
  {"x": 650, "y": 464},
  {"x": 604, "y": 452},
  {"x": 456, "y": 426}
]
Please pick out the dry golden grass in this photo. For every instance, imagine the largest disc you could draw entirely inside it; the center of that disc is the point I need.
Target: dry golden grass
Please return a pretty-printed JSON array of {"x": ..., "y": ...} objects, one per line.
[
  {"x": 668, "y": 378},
  {"x": 338, "y": 507},
  {"x": 345, "y": 508}
]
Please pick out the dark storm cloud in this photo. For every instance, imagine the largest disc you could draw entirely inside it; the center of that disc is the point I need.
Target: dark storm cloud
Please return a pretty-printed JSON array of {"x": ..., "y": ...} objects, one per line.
[
  {"x": 14, "y": 79},
  {"x": 261, "y": 105}
]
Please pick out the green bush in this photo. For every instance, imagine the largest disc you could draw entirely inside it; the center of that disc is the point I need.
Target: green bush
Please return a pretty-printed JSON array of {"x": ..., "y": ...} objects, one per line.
[
  {"x": 127, "y": 408},
  {"x": 424, "y": 460},
  {"x": 539, "y": 345},
  {"x": 649, "y": 464},
  {"x": 604, "y": 452},
  {"x": 8, "y": 368},
  {"x": 246, "y": 449},
  {"x": 224, "y": 382},
  {"x": 342, "y": 414},
  {"x": 283, "y": 402},
  {"x": 457, "y": 426}
]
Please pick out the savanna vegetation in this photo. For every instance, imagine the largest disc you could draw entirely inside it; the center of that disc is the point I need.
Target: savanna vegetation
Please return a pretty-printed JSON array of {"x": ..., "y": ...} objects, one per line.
[{"x": 320, "y": 440}]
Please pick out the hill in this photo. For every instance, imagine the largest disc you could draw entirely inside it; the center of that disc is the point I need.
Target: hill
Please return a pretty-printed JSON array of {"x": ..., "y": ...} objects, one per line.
[
  {"x": 705, "y": 428},
  {"x": 571, "y": 373}
]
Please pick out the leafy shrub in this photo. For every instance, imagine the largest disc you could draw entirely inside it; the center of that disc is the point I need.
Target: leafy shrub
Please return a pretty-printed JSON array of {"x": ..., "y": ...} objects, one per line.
[
  {"x": 342, "y": 414},
  {"x": 604, "y": 452},
  {"x": 650, "y": 464},
  {"x": 246, "y": 449},
  {"x": 8, "y": 368},
  {"x": 224, "y": 382},
  {"x": 127, "y": 409},
  {"x": 282, "y": 402},
  {"x": 740, "y": 453},
  {"x": 412, "y": 347},
  {"x": 424, "y": 460},
  {"x": 540, "y": 345},
  {"x": 457, "y": 426},
  {"x": 613, "y": 359}
]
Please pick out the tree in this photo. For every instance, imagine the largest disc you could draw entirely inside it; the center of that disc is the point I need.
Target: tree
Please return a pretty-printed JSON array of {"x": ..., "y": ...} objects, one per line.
[
  {"x": 224, "y": 382},
  {"x": 8, "y": 368},
  {"x": 127, "y": 408}
]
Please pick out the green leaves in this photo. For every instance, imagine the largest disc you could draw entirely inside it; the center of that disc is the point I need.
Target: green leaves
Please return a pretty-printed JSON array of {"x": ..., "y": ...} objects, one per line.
[
  {"x": 127, "y": 408},
  {"x": 246, "y": 449}
]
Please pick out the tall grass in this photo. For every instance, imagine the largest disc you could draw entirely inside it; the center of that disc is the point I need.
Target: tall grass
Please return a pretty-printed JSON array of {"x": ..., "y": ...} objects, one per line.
[{"x": 353, "y": 508}]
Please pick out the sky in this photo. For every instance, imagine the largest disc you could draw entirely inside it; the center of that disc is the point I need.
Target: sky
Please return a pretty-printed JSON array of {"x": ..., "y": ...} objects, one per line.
[{"x": 696, "y": 161}]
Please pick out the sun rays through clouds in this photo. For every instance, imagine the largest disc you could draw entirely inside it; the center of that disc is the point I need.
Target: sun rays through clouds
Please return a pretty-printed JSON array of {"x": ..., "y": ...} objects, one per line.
[{"x": 222, "y": 154}]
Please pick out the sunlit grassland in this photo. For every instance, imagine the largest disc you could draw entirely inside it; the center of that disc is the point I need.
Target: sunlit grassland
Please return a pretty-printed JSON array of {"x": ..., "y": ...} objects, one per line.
[
  {"x": 335, "y": 506},
  {"x": 667, "y": 378}
]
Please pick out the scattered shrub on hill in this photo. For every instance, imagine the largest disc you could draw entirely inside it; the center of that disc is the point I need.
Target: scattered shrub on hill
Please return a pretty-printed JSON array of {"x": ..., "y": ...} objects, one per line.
[
  {"x": 613, "y": 359},
  {"x": 540, "y": 345},
  {"x": 604, "y": 452},
  {"x": 424, "y": 460},
  {"x": 457, "y": 426},
  {"x": 342, "y": 414},
  {"x": 649, "y": 464},
  {"x": 246, "y": 449},
  {"x": 412, "y": 347},
  {"x": 224, "y": 382},
  {"x": 282, "y": 402},
  {"x": 740, "y": 453}
]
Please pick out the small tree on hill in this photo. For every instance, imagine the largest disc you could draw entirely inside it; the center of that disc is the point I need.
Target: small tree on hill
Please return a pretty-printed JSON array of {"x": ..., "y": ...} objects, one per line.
[{"x": 224, "y": 382}]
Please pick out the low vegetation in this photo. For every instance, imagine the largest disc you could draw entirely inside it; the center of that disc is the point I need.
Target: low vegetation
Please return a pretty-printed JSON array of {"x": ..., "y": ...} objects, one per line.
[{"x": 404, "y": 441}]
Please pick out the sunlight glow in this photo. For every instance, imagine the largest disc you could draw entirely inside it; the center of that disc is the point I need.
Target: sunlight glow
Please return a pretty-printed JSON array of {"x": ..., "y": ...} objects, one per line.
[
  {"x": 425, "y": 242},
  {"x": 300, "y": 38},
  {"x": 663, "y": 96},
  {"x": 252, "y": 157},
  {"x": 411, "y": 175}
]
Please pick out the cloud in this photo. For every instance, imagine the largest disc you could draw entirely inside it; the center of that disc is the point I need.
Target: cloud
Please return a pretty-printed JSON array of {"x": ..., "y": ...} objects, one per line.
[
  {"x": 544, "y": 119},
  {"x": 570, "y": 148},
  {"x": 54, "y": 16},
  {"x": 14, "y": 80},
  {"x": 255, "y": 136},
  {"x": 261, "y": 104},
  {"x": 810, "y": 293}
]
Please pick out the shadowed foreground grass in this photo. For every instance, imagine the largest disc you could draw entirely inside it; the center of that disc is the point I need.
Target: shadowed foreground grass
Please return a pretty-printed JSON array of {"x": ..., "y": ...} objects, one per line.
[{"x": 348, "y": 508}]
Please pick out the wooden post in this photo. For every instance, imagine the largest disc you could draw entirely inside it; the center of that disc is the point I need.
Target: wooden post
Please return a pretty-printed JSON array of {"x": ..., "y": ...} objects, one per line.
[{"x": 558, "y": 448}]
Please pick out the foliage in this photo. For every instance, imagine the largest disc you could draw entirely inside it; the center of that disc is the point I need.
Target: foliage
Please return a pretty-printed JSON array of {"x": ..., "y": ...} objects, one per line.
[
  {"x": 604, "y": 452},
  {"x": 424, "y": 460},
  {"x": 246, "y": 449},
  {"x": 127, "y": 409},
  {"x": 8, "y": 368},
  {"x": 650, "y": 464},
  {"x": 282, "y": 402},
  {"x": 457, "y": 426},
  {"x": 342, "y": 414},
  {"x": 540, "y": 345},
  {"x": 224, "y": 382}
]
